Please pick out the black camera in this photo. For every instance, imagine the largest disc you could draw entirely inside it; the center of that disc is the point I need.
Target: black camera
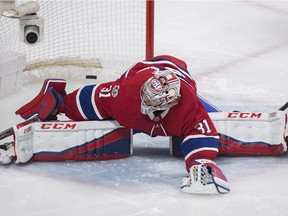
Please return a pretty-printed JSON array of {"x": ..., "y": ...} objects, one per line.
[{"x": 31, "y": 29}]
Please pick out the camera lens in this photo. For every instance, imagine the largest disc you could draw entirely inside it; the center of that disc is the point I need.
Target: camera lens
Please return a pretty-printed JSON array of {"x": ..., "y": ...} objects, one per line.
[
  {"x": 31, "y": 37},
  {"x": 31, "y": 34}
]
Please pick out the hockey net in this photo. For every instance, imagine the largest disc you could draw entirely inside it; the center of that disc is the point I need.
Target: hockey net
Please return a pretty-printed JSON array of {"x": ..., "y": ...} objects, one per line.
[{"x": 84, "y": 35}]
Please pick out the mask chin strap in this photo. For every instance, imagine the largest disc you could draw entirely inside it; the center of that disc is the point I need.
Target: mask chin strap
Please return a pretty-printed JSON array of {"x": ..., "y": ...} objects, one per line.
[{"x": 162, "y": 115}]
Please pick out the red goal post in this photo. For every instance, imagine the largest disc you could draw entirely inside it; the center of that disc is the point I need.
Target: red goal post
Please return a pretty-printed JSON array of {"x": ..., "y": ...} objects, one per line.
[{"x": 150, "y": 28}]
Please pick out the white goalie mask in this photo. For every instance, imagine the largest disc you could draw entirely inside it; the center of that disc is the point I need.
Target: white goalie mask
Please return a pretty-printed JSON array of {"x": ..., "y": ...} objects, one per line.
[{"x": 160, "y": 92}]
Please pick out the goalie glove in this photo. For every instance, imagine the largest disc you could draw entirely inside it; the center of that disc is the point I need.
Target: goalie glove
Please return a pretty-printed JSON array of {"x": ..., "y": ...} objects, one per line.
[
  {"x": 48, "y": 103},
  {"x": 205, "y": 178}
]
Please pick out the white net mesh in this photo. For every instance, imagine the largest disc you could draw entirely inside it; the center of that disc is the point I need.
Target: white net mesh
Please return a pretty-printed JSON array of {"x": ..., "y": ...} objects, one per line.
[{"x": 110, "y": 31}]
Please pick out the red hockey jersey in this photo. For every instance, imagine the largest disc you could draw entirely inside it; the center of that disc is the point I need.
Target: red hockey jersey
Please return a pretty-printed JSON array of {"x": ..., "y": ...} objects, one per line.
[{"x": 120, "y": 100}]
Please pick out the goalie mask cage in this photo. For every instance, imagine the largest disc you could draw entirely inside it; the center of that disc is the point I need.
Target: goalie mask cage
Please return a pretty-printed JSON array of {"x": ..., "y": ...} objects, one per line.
[{"x": 86, "y": 33}]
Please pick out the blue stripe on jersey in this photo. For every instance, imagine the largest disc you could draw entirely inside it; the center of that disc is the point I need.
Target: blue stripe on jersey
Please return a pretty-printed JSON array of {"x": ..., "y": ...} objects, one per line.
[
  {"x": 208, "y": 107},
  {"x": 192, "y": 144},
  {"x": 85, "y": 99},
  {"x": 183, "y": 78}
]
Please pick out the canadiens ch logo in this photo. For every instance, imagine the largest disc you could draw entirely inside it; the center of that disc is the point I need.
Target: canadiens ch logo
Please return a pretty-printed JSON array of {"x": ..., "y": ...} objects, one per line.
[{"x": 156, "y": 85}]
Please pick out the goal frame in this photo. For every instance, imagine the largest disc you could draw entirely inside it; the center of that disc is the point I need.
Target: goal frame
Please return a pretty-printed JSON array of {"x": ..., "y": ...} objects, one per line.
[{"x": 150, "y": 9}]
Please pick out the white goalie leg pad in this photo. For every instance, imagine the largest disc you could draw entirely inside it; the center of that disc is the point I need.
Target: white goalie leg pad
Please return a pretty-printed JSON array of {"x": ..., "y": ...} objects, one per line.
[
  {"x": 246, "y": 133},
  {"x": 60, "y": 141},
  {"x": 82, "y": 140},
  {"x": 254, "y": 133},
  {"x": 23, "y": 142},
  {"x": 205, "y": 178}
]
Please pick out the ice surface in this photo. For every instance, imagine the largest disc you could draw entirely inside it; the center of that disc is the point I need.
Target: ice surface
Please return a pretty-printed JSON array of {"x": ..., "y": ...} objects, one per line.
[{"x": 238, "y": 53}]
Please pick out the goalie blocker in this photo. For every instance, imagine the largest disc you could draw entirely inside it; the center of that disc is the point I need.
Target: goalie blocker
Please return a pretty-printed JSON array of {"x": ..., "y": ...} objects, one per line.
[
  {"x": 246, "y": 134},
  {"x": 69, "y": 140}
]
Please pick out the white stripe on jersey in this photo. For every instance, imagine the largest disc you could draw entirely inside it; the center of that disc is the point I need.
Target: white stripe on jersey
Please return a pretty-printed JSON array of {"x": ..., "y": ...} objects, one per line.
[
  {"x": 160, "y": 62},
  {"x": 199, "y": 136},
  {"x": 79, "y": 105},
  {"x": 186, "y": 73},
  {"x": 94, "y": 104},
  {"x": 201, "y": 149}
]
